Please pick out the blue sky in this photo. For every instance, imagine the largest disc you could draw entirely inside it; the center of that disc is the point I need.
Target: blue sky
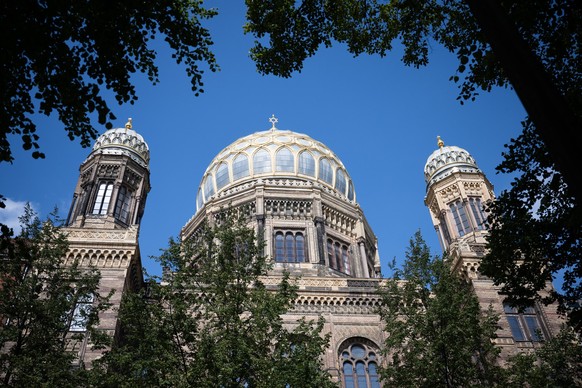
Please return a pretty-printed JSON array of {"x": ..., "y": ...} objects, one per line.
[{"x": 380, "y": 117}]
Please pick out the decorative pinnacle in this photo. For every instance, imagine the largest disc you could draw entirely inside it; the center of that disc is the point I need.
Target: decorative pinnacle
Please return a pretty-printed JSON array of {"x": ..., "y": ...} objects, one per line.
[
  {"x": 128, "y": 124},
  {"x": 273, "y": 121},
  {"x": 440, "y": 142}
]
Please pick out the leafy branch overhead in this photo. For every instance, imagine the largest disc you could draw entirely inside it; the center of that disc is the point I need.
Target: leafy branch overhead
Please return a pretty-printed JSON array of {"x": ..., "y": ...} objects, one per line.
[{"x": 59, "y": 58}]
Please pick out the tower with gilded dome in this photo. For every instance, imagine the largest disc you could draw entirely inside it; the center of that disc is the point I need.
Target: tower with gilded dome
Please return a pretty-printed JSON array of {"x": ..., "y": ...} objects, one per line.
[
  {"x": 456, "y": 192},
  {"x": 104, "y": 220},
  {"x": 299, "y": 196}
]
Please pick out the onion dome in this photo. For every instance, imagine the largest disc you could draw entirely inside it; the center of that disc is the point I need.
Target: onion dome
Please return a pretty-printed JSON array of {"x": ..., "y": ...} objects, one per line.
[
  {"x": 275, "y": 154},
  {"x": 123, "y": 141},
  {"x": 446, "y": 160}
]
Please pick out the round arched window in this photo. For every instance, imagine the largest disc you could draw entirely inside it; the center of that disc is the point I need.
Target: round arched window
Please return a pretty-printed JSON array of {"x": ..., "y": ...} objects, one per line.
[{"x": 359, "y": 364}]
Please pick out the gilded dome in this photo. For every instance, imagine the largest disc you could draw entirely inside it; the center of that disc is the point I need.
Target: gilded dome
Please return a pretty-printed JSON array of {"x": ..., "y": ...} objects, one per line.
[
  {"x": 124, "y": 141},
  {"x": 275, "y": 154},
  {"x": 448, "y": 159}
]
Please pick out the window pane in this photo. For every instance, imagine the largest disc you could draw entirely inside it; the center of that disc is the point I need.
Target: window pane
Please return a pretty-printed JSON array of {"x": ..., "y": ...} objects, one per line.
[
  {"x": 199, "y": 200},
  {"x": 222, "y": 178},
  {"x": 106, "y": 199},
  {"x": 516, "y": 330},
  {"x": 533, "y": 327},
  {"x": 279, "y": 253},
  {"x": 289, "y": 247},
  {"x": 208, "y": 187},
  {"x": 306, "y": 164},
  {"x": 122, "y": 205},
  {"x": 461, "y": 220},
  {"x": 325, "y": 171},
  {"x": 300, "y": 246},
  {"x": 346, "y": 259},
  {"x": 330, "y": 257},
  {"x": 240, "y": 167},
  {"x": 103, "y": 197},
  {"x": 350, "y": 191},
  {"x": 284, "y": 160},
  {"x": 361, "y": 374},
  {"x": 477, "y": 210},
  {"x": 358, "y": 351},
  {"x": 338, "y": 257},
  {"x": 262, "y": 162},
  {"x": 348, "y": 370},
  {"x": 372, "y": 372},
  {"x": 340, "y": 181}
]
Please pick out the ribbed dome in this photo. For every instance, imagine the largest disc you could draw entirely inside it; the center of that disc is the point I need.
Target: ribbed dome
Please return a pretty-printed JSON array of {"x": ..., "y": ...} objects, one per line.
[
  {"x": 274, "y": 154},
  {"x": 446, "y": 160},
  {"x": 124, "y": 141}
]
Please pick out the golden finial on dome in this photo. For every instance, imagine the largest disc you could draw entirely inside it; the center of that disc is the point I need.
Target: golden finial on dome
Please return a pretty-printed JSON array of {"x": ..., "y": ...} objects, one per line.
[
  {"x": 128, "y": 124},
  {"x": 440, "y": 142},
  {"x": 273, "y": 121}
]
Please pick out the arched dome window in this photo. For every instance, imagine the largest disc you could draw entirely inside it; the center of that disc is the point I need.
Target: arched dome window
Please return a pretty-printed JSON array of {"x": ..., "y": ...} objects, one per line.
[
  {"x": 240, "y": 167},
  {"x": 199, "y": 199},
  {"x": 208, "y": 187},
  {"x": 306, "y": 164},
  {"x": 284, "y": 160},
  {"x": 325, "y": 171},
  {"x": 262, "y": 161},
  {"x": 222, "y": 178},
  {"x": 340, "y": 181},
  {"x": 350, "y": 191}
]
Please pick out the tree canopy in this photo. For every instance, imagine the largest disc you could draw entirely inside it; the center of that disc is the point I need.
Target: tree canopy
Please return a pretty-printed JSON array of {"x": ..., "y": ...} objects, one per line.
[
  {"x": 213, "y": 323},
  {"x": 437, "y": 334},
  {"x": 59, "y": 58},
  {"x": 44, "y": 317}
]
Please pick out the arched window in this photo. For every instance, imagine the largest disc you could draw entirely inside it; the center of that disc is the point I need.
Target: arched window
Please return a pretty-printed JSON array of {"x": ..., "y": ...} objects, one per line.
[
  {"x": 359, "y": 361},
  {"x": 208, "y": 187},
  {"x": 477, "y": 209},
  {"x": 338, "y": 257},
  {"x": 346, "y": 260},
  {"x": 460, "y": 216},
  {"x": 284, "y": 160},
  {"x": 103, "y": 198},
  {"x": 222, "y": 178},
  {"x": 122, "y": 204},
  {"x": 240, "y": 167},
  {"x": 289, "y": 247},
  {"x": 262, "y": 161},
  {"x": 350, "y": 191},
  {"x": 325, "y": 171},
  {"x": 340, "y": 181},
  {"x": 199, "y": 199},
  {"x": 306, "y": 164},
  {"x": 279, "y": 247}
]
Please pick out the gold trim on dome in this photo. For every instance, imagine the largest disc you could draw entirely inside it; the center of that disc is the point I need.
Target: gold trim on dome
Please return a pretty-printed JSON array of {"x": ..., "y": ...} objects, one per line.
[
  {"x": 128, "y": 125},
  {"x": 440, "y": 142}
]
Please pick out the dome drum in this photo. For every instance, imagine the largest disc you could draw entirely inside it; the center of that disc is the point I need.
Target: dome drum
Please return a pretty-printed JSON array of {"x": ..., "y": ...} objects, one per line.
[
  {"x": 445, "y": 159},
  {"x": 123, "y": 141}
]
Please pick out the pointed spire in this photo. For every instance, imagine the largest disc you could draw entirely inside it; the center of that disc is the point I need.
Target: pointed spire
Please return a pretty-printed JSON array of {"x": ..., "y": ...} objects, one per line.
[
  {"x": 128, "y": 124},
  {"x": 440, "y": 142}
]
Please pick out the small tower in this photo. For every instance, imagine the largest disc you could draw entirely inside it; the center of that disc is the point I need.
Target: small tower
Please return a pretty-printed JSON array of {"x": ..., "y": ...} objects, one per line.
[
  {"x": 105, "y": 216},
  {"x": 456, "y": 191}
]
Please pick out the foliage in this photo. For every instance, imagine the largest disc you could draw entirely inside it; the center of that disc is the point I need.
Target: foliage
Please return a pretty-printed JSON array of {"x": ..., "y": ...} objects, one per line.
[
  {"x": 59, "y": 57},
  {"x": 437, "y": 334},
  {"x": 556, "y": 364},
  {"x": 538, "y": 221},
  {"x": 296, "y": 30},
  {"x": 214, "y": 323},
  {"x": 548, "y": 239},
  {"x": 37, "y": 300}
]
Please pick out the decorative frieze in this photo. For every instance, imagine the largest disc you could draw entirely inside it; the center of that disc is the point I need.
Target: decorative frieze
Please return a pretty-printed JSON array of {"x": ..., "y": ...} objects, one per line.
[
  {"x": 108, "y": 170},
  {"x": 86, "y": 175},
  {"x": 101, "y": 258},
  {"x": 450, "y": 192},
  {"x": 288, "y": 209},
  {"x": 101, "y": 235},
  {"x": 339, "y": 221},
  {"x": 131, "y": 177},
  {"x": 472, "y": 188}
]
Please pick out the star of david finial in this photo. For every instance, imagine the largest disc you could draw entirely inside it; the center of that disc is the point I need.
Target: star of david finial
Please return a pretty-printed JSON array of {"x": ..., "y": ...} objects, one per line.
[
  {"x": 273, "y": 120},
  {"x": 128, "y": 124}
]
